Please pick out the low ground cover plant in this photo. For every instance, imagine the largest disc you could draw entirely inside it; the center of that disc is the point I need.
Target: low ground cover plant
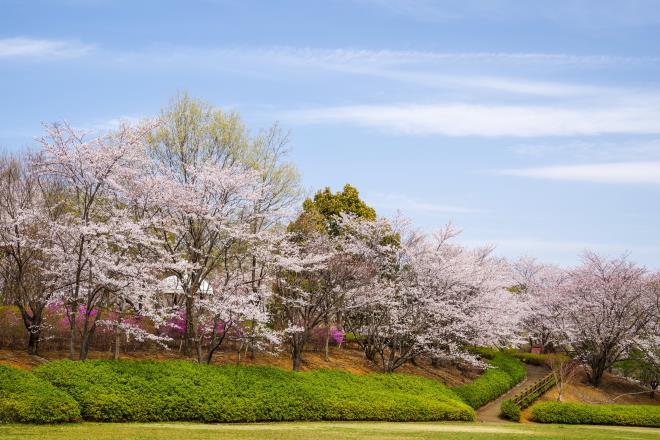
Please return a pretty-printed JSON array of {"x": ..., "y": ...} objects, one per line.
[
  {"x": 179, "y": 390},
  {"x": 506, "y": 372},
  {"x": 586, "y": 414},
  {"x": 25, "y": 398}
]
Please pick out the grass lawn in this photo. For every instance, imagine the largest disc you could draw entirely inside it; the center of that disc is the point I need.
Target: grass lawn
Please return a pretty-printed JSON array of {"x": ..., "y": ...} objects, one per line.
[{"x": 322, "y": 430}]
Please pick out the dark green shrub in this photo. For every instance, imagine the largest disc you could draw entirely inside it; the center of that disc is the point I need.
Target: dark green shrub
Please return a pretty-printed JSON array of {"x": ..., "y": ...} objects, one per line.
[
  {"x": 506, "y": 372},
  {"x": 180, "y": 390},
  {"x": 25, "y": 398},
  {"x": 585, "y": 414},
  {"x": 510, "y": 410}
]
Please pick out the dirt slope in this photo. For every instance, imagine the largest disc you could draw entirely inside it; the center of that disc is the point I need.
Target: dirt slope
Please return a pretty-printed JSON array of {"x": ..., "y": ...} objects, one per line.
[{"x": 348, "y": 359}]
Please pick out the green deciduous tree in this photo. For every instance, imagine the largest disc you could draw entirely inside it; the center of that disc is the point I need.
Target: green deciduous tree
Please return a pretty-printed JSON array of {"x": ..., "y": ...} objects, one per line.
[
  {"x": 195, "y": 137},
  {"x": 323, "y": 210}
]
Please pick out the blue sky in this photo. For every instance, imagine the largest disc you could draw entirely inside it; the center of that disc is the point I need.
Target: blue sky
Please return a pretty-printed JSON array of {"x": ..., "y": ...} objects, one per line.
[{"x": 532, "y": 125}]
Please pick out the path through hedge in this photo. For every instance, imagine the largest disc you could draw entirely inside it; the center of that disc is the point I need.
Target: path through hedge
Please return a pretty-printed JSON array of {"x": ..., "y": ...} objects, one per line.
[{"x": 490, "y": 412}]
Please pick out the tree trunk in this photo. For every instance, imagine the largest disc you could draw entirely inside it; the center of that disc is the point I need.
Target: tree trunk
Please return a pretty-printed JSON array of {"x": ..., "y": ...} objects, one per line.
[
  {"x": 87, "y": 333},
  {"x": 84, "y": 346},
  {"x": 253, "y": 341},
  {"x": 189, "y": 338},
  {"x": 117, "y": 333},
  {"x": 72, "y": 334},
  {"x": 209, "y": 354},
  {"x": 115, "y": 352},
  {"x": 597, "y": 370},
  {"x": 297, "y": 344},
  {"x": 654, "y": 386},
  {"x": 297, "y": 359},
  {"x": 200, "y": 356},
  {"x": 370, "y": 352},
  {"x": 327, "y": 343},
  {"x": 214, "y": 345},
  {"x": 32, "y": 323},
  {"x": 33, "y": 341}
]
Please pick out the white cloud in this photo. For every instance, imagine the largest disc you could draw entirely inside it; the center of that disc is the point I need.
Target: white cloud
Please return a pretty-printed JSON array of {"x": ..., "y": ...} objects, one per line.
[
  {"x": 618, "y": 172},
  {"x": 592, "y": 150},
  {"x": 450, "y": 73},
  {"x": 20, "y": 47},
  {"x": 507, "y": 85},
  {"x": 407, "y": 204},
  {"x": 422, "y": 68},
  {"x": 411, "y": 67},
  {"x": 489, "y": 120}
]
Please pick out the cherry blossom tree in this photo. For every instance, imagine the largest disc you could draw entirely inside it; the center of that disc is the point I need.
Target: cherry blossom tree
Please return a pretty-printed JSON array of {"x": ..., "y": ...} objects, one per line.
[
  {"x": 206, "y": 215},
  {"x": 316, "y": 272},
  {"x": 103, "y": 254},
  {"x": 610, "y": 307},
  {"x": 303, "y": 287},
  {"x": 24, "y": 241},
  {"x": 220, "y": 189},
  {"x": 539, "y": 286},
  {"x": 433, "y": 298},
  {"x": 235, "y": 308}
]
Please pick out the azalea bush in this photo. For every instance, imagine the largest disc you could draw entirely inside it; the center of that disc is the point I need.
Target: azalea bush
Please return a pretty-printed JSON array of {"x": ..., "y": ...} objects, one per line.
[
  {"x": 25, "y": 398},
  {"x": 336, "y": 336},
  {"x": 504, "y": 372},
  {"x": 587, "y": 414},
  {"x": 116, "y": 391}
]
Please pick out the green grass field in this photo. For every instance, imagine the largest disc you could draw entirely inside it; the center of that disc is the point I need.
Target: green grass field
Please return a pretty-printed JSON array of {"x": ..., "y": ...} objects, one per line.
[{"x": 322, "y": 431}]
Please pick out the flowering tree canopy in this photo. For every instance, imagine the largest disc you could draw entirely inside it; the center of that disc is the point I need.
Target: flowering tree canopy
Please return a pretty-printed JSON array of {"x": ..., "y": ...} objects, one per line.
[
  {"x": 429, "y": 297},
  {"x": 608, "y": 308}
]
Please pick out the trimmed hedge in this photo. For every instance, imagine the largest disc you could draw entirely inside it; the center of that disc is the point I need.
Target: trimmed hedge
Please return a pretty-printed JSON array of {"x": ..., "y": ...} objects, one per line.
[
  {"x": 585, "y": 414},
  {"x": 183, "y": 391},
  {"x": 25, "y": 398},
  {"x": 507, "y": 371},
  {"x": 510, "y": 410}
]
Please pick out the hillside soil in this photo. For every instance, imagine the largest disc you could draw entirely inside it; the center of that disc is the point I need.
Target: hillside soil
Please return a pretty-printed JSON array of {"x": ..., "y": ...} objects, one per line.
[
  {"x": 613, "y": 390},
  {"x": 347, "y": 359}
]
